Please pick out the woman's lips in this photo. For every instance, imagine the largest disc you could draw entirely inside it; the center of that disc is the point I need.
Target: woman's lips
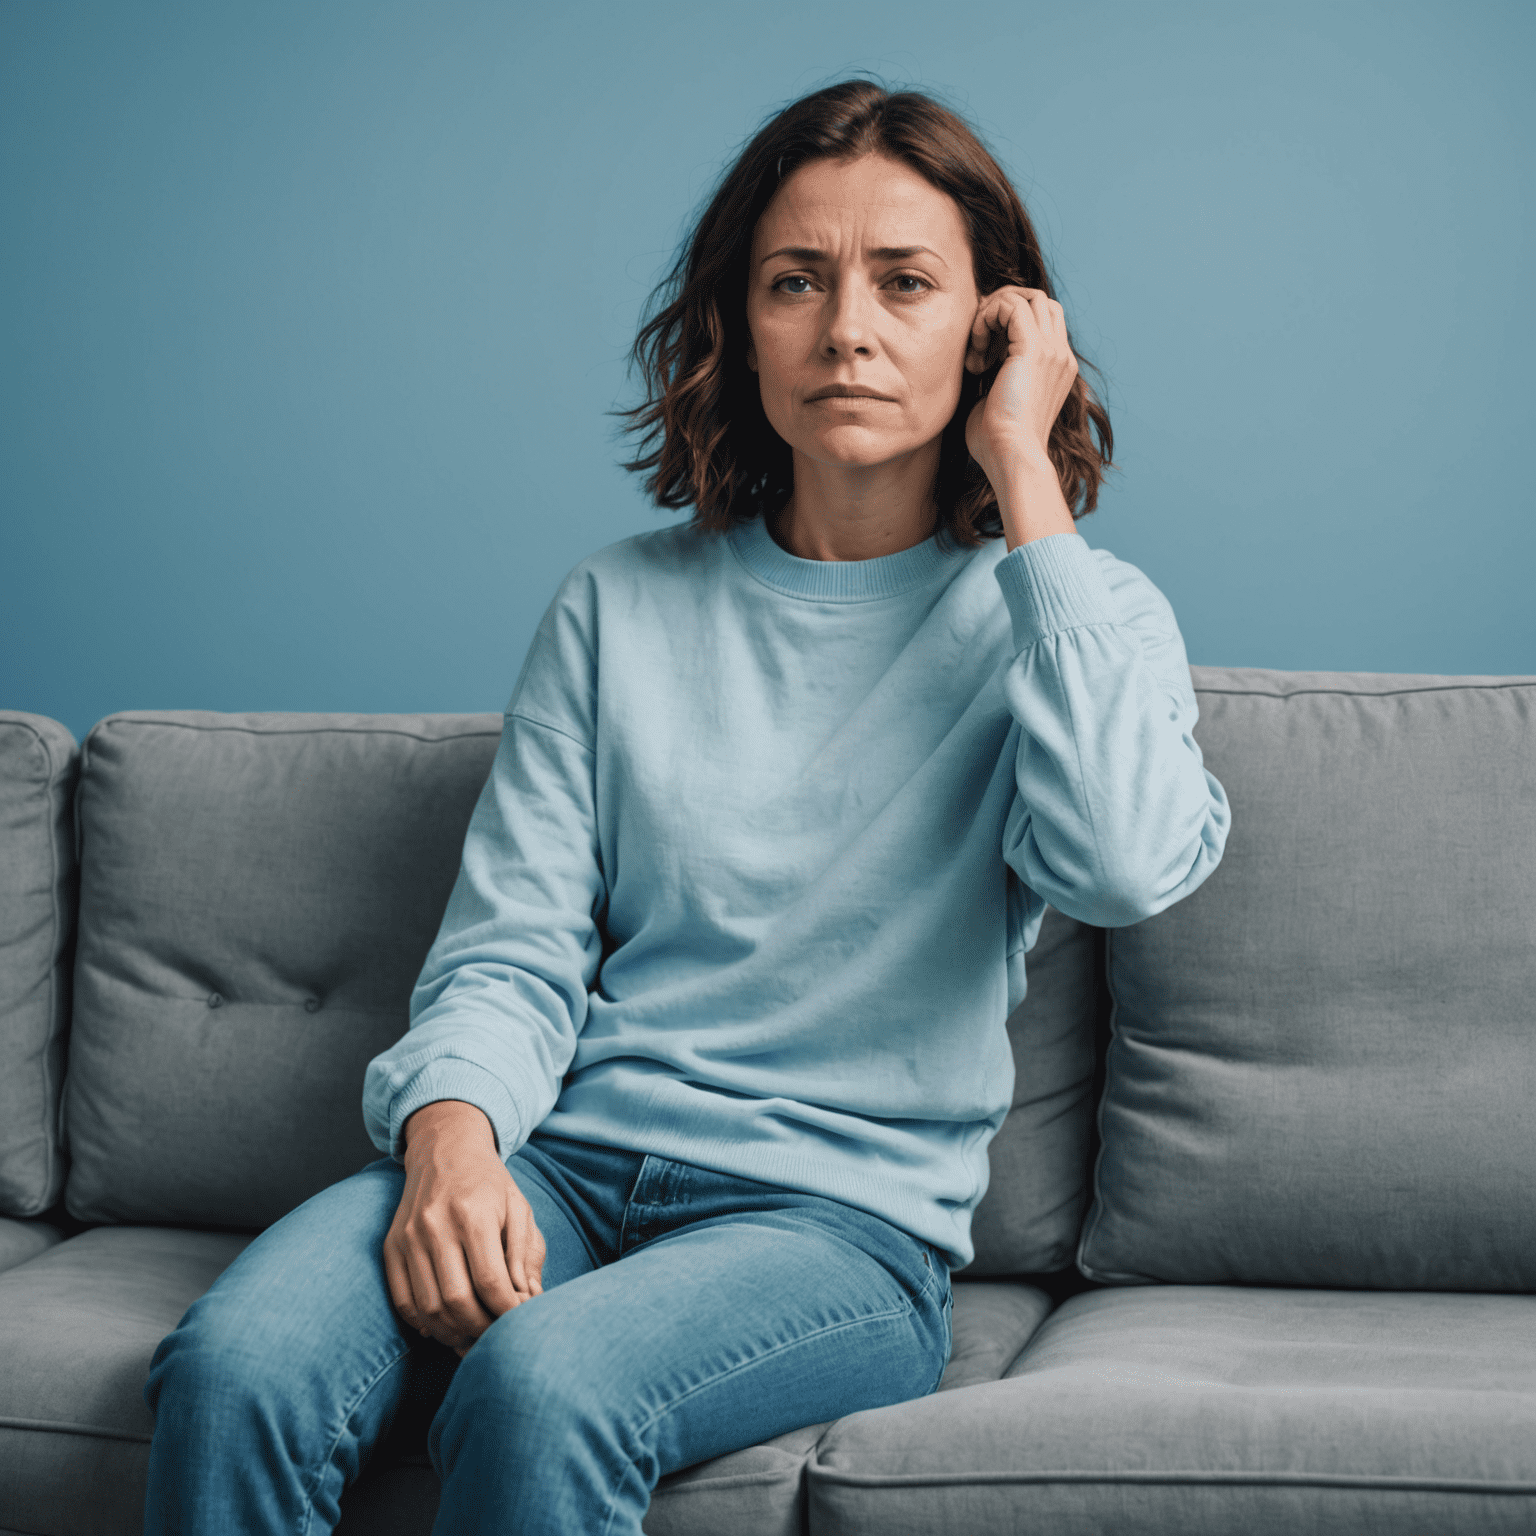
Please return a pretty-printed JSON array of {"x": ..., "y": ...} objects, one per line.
[{"x": 842, "y": 392}]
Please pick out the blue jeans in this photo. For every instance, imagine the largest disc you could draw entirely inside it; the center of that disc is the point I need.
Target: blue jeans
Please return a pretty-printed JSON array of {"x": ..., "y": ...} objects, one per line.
[{"x": 685, "y": 1314}]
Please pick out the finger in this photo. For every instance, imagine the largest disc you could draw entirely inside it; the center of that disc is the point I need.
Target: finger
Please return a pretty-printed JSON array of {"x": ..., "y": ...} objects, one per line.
[
  {"x": 988, "y": 320},
  {"x": 429, "y": 1304},
  {"x": 1048, "y": 314},
  {"x": 524, "y": 1250},
  {"x": 1051, "y": 316},
  {"x": 461, "y": 1311},
  {"x": 489, "y": 1272},
  {"x": 1009, "y": 315},
  {"x": 534, "y": 1253},
  {"x": 515, "y": 1251},
  {"x": 398, "y": 1280},
  {"x": 988, "y": 336}
]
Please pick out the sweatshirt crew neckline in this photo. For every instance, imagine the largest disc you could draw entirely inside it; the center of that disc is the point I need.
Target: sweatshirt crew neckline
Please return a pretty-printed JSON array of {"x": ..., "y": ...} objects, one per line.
[{"x": 838, "y": 581}]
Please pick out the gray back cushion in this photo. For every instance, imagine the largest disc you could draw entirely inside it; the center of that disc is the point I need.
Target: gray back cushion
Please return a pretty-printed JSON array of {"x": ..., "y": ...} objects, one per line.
[
  {"x": 38, "y": 761},
  {"x": 258, "y": 893},
  {"x": 1028, "y": 1220},
  {"x": 1323, "y": 1065}
]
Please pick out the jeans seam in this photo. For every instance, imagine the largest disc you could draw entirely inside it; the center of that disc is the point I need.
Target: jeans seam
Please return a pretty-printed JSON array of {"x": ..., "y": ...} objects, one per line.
[
  {"x": 346, "y": 1418},
  {"x": 821, "y": 1333}
]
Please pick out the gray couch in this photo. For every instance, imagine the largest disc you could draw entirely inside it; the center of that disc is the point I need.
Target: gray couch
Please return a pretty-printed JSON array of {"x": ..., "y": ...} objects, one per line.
[{"x": 1260, "y": 1242}]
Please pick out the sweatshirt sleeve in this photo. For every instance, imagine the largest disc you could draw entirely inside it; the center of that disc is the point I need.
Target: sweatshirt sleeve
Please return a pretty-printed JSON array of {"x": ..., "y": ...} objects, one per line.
[
  {"x": 502, "y": 996},
  {"x": 1114, "y": 816}
]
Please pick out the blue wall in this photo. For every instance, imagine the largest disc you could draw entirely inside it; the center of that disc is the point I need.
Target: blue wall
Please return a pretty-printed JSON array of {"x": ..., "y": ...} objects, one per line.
[{"x": 313, "y": 309}]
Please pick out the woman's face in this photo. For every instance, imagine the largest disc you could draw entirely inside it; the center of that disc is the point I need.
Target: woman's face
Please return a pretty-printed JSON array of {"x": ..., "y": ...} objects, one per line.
[{"x": 860, "y": 299}]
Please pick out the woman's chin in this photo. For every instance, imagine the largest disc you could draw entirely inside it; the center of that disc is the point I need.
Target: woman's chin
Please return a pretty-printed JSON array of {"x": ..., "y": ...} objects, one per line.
[{"x": 855, "y": 447}]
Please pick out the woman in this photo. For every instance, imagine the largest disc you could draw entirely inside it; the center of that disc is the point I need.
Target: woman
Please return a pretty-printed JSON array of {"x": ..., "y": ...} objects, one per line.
[{"x": 693, "y": 1111}]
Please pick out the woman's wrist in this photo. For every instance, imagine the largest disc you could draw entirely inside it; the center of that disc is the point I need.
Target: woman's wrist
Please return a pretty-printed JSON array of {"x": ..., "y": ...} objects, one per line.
[
  {"x": 454, "y": 1117},
  {"x": 1030, "y": 499}
]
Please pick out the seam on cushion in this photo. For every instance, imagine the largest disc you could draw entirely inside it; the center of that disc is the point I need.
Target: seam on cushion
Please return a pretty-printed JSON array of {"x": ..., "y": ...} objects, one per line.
[
  {"x": 1341, "y": 1480},
  {"x": 1361, "y": 693},
  {"x": 810, "y": 1455},
  {"x": 66, "y": 1427},
  {"x": 1045, "y": 1317},
  {"x": 295, "y": 730}
]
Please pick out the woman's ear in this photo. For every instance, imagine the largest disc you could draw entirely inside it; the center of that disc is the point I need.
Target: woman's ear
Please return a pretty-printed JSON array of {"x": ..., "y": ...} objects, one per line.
[{"x": 752, "y": 356}]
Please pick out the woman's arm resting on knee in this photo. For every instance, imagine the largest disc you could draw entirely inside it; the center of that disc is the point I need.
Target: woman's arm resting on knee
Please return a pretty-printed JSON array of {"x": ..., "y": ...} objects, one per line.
[{"x": 463, "y": 1247}]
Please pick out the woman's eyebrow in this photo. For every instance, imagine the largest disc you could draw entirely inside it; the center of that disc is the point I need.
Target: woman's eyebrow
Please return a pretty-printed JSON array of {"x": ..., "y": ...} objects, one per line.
[
  {"x": 879, "y": 253},
  {"x": 799, "y": 252},
  {"x": 902, "y": 252}
]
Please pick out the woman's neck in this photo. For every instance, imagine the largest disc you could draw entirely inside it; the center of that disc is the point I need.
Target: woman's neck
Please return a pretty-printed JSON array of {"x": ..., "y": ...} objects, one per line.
[{"x": 849, "y": 512}]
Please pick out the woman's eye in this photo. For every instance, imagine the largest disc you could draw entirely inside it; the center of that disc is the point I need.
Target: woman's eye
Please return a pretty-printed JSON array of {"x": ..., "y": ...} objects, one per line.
[
  {"x": 908, "y": 282},
  {"x": 784, "y": 284}
]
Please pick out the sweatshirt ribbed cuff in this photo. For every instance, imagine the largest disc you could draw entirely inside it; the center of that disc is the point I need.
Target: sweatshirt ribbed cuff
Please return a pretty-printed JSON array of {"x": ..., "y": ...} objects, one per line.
[
  {"x": 1052, "y": 584},
  {"x": 450, "y": 1077}
]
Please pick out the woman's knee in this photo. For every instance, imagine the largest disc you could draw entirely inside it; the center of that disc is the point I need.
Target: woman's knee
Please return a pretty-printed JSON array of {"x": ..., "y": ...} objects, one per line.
[
  {"x": 213, "y": 1354},
  {"x": 306, "y": 1299}
]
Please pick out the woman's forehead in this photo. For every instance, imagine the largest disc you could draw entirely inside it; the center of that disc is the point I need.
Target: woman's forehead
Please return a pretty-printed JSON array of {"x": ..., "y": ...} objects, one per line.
[{"x": 873, "y": 204}]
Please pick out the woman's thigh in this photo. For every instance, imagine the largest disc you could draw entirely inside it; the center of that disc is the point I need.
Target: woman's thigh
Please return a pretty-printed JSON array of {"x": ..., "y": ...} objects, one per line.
[{"x": 713, "y": 1335}]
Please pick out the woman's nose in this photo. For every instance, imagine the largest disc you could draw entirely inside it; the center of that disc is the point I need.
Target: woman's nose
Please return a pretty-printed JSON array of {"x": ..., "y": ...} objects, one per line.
[{"x": 849, "y": 332}]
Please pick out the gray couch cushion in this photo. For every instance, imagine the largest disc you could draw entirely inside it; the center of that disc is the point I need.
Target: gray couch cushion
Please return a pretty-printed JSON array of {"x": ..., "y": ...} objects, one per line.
[
  {"x": 257, "y": 895},
  {"x": 992, "y": 1322},
  {"x": 1203, "y": 1411},
  {"x": 1029, "y": 1219},
  {"x": 1324, "y": 1061},
  {"x": 23, "y": 1240},
  {"x": 77, "y": 1329},
  {"x": 38, "y": 762}
]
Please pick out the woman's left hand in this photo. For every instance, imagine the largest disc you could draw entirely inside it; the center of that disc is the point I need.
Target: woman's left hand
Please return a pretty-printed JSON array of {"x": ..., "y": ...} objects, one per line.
[{"x": 1011, "y": 424}]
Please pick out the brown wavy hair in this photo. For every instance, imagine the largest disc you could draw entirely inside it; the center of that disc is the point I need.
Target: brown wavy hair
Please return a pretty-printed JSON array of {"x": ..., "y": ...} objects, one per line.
[{"x": 705, "y": 441}]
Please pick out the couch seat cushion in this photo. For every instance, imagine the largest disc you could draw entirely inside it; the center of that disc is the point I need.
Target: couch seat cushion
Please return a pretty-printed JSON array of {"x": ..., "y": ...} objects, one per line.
[
  {"x": 1202, "y": 1411},
  {"x": 23, "y": 1240},
  {"x": 77, "y": 1328}
]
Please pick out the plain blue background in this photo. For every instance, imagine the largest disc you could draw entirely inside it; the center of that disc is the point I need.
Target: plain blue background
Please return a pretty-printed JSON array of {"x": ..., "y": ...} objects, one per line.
[{"x": 313, "y": 311}]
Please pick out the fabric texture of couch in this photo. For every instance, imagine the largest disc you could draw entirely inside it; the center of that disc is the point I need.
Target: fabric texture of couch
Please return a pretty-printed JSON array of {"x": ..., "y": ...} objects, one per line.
[{"x": 1258, "y": 1249}]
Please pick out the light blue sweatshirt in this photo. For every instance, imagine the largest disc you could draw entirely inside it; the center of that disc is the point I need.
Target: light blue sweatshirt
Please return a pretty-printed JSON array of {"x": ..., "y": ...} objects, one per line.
[{"x": 766, "y": 839}]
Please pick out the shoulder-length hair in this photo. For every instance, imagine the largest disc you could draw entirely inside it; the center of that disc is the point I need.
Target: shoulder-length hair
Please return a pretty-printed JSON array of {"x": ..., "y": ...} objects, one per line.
[{"x": 705, "y": 441}]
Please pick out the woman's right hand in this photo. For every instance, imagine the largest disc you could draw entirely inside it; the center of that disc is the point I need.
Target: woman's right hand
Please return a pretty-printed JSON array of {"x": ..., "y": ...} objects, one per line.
[{"x": 463, "y": 1247}]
